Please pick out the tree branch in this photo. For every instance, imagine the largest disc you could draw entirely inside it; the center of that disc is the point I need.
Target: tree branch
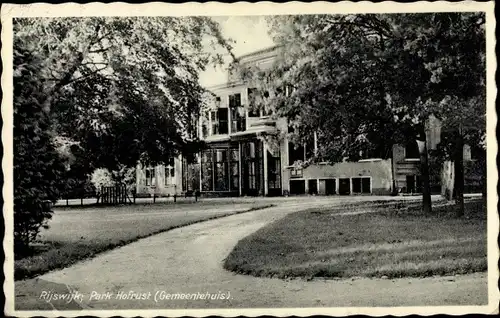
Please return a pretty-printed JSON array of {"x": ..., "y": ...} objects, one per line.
[
  {"x": 100, "y": 50},
  {"x": 87, "y": 75}
]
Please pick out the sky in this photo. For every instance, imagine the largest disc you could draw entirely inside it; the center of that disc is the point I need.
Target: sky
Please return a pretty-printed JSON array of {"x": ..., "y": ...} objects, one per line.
[{"x": 248, "y": 32}]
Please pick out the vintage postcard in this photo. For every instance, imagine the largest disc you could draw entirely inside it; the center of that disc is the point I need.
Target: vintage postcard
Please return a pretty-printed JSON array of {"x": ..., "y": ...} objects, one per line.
[{"x": 249, "y": 159}]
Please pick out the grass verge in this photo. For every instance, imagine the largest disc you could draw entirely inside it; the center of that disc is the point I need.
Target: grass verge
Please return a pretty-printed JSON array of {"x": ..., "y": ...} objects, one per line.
[
  {"x": 379, "y": 242},
  {"x": 63, "y": 253}
]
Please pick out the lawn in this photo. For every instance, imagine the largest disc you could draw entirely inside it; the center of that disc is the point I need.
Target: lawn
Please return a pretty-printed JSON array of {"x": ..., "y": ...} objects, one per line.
[
  {"x": 82, "y": 232},
  {"x": 386, "y": 242}
]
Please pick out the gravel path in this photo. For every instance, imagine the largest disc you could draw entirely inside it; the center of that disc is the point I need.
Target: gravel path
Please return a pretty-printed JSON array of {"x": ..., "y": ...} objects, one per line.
[{"x": 189, "y": 260}]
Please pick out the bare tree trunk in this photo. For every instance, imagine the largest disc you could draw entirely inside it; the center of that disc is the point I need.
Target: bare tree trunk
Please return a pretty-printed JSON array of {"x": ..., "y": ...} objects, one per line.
[
  {"x": 426, "y": 186},
  {"x": 459, "y": 174}
]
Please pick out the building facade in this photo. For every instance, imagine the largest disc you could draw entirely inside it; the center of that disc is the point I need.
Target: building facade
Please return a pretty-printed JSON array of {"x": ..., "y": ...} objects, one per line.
[{"x": 243, "y": 157}]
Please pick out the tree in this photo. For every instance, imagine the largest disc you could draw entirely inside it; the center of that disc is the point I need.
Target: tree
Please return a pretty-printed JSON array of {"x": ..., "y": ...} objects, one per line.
[
  {"x": 366, "y": 82},
  {"x": 38, "y": 168},
  {"x": 110, "y": 92}
]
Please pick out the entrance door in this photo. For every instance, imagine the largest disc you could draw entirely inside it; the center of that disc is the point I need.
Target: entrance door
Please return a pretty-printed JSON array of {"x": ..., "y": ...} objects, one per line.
[
  {"x": 344, "y": 186},
  {"x": 250, "y": 172},
  {"x": 330, "y": 186},
  {"x": 313, "y": 186}
]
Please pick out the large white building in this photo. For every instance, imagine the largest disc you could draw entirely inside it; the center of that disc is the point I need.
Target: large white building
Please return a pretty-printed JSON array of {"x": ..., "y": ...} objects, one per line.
[{"x": 241, "y": 160}]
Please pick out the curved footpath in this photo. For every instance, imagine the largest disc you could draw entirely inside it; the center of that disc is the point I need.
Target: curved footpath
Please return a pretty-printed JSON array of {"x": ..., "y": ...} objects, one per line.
[{"x": 189, "y": 260}]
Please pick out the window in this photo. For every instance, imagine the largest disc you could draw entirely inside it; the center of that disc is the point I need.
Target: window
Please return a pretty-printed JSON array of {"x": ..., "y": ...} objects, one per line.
[
  {"x": 215, "y": 169},
  {"x": 330, "y": 186},
  {"x": 170, "y": 172},
  {"x": 356, "y": 185},
  {"x": 223, "y": 121},
  {"x": 297, "y": 186},
  {"x": 250, "y": 167},
  {"x": 411, "y": 150},
  {"x": 215, "y": 122},
  {"x": 273, "y": 171},
  {"x": 265, "y": 111},
  {"x": 296, "y": 173},
  {"x": 219, "y": 121},
  {"x": 150, "y": 176},
  {"x": 366, "y": 185},
  {"x": 235, "y": 169},
  {"x": 234, "y": 100},
  {"x": 313, "y": 186},
  {"x": 238, "y": 120},
  {"x": 206, "y": 171},
  {"x": 344, "y": 186},
  {"x": 361, "y": 185},
  {"x": 253, "y": 111},
  {"x": 221, "y": 170}
]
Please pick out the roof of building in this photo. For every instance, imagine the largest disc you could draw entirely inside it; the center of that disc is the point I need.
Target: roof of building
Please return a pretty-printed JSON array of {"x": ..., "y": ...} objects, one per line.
[{"x": 261, "y": 51}]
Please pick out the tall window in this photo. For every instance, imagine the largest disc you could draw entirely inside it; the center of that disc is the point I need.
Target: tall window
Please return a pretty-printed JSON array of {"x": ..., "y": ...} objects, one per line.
[
  {"x": 266, "y": 112},
  {"x": 215, "y": 165},
  {"x": 223, "y": 121},
  {"x": 253, "y": 111},
  {"x": 238, "y": 120},
  {"x": 170, "y": 172},
  {"x": 150, "y": 176},
  {"x": 215, "y": 122},
  {"x": 234, "y": 100},
  {"x": 235, "y": 169},
  {"x": 206, "y": 171},
  {"x": 251, "y": 166},
  {"x": 221, "y": 170},
  {"x": 274, "y": 170},
  {"x": 219, "y": 121}
]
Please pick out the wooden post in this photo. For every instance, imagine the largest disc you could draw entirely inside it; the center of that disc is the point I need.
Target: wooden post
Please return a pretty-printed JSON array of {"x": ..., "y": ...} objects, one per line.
[
  {"x": 67, "y": 201},
  {"x": 239, "y": 169},
  {"x": 459, "y": 173},
  {"x": 424, "y": 164},
  {"x": 266, "y": 186},
  {"x": 154, "y": 197}
]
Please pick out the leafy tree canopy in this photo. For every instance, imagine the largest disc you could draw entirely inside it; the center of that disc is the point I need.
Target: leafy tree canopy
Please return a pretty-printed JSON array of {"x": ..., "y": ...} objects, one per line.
[
  {"x": 366, "y": 82},
  {"x": 121, "y": 89},
  {"x": 101, "y": 92}
]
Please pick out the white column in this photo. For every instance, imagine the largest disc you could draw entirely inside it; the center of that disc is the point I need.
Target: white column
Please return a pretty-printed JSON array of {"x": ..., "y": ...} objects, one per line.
[
  {"x": 210, "y": 132},
  {"x": 337, "y": 185},
  {"x": 266, "y": 185},
  {"x": 201, "y": 181},
  {"x": 200, "y": 125},
  {"x": 315, "y": 143},
  {"x": 229, "y": 121},
  {"x": 239, "y": 168},
  {"x": 350, "y": 185}
]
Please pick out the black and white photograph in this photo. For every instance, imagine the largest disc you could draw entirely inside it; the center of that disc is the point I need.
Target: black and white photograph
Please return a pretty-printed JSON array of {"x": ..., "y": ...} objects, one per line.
[{"x": 249, "y": 159}]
